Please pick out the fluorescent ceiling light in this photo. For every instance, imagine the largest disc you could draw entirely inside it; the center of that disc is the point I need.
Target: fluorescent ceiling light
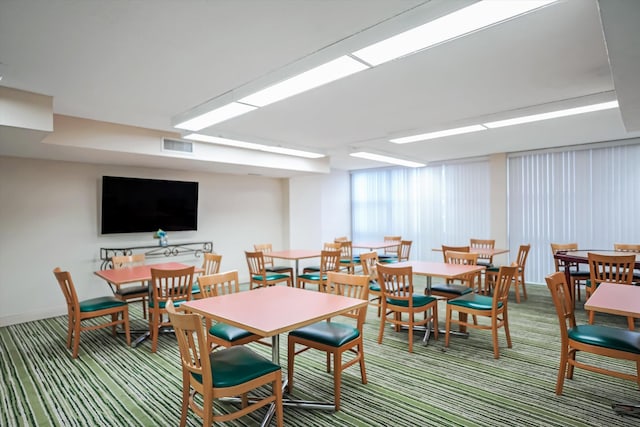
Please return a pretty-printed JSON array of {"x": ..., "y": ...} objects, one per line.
[
  {"x": 386, "y": 159},
  {"x": 253, "y": 146},
  {"x": 325, "y": 73},
  {"x": 553, "y": 114},
  {"x": 218, "y": 115},
  {"x": 438, "y": 134},
  {"x": 456, "y": 24}
]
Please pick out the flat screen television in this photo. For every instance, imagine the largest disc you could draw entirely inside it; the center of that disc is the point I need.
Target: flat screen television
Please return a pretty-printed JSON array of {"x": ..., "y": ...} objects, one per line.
[{"x": 131, "y": 205}]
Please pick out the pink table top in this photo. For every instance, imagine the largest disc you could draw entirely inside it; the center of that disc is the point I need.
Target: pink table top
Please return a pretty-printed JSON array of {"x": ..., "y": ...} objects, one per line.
[
  {"x": 482, "y": 251},
  {"x": 615, "y": 298},
  {"x": 375, "y": 245},
  {"x": 139, "y": 273},
  {"x": 294, "y": 254},
  {"x": 439, "y": 269},
  {"x": 272, "y": 310}
]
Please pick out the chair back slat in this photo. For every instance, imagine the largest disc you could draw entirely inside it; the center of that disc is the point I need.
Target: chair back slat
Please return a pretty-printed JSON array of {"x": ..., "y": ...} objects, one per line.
[
  {"x": 172, "y": 284},
  {"x": 446, "y": 248},
  {"x": 329, "y": 261},
  {"x": 214, "y": 285},
  {"x": 368, "y": 261},
  {"x": 211, "y": 263},
  {"x": 396, "y": 282},
  {"x": 611, "y": 268},
  {"x": 265, "y": 248},
  {"x": 68, "y": 290},
  {"x": 256, "y": 263},
  {"x": 404, "y": 250},
  {"x": 502, "y": 286},
  {"x": 353, "y": 286}
]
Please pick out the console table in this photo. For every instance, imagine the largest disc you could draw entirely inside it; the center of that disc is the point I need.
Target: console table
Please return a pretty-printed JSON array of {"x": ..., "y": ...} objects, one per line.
[{"x": 155, "y": 251}]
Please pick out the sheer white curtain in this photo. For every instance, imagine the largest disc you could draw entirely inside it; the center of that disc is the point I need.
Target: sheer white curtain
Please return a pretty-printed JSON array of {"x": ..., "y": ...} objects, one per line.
[
  {"x": 589, "y": 196},
  {"x": 434, "y": 205}
]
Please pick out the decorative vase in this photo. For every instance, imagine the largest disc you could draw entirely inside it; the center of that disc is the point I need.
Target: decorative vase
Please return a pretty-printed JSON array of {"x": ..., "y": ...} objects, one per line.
[{"x": 163, "y": 241}]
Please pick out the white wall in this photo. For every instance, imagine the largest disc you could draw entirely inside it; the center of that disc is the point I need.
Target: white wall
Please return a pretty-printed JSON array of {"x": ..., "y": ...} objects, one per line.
[{"x": 49, "y": 217}]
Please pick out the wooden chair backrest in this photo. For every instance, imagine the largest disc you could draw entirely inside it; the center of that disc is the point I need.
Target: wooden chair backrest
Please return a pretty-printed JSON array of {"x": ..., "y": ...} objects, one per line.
[
  {"x": 446, "y": 248},
  {"x": 213, "y": 285},
  {"x": 346, "y": 250},
  {"x": 396, "y": 283},
  {"x": 368, "y": 261},
  {"x": 256, "y": 263},
  {"x": 611, "y": 268},
  {"x": 557, "y": 284},
  {"x": 625, "y": 247},
  {"x": 502, "y": 286},
  {"x": 171, "y": 284},
  {"x": 404, "y": 250},
  {"x": 483, "y": 244},
  {"x": 122, "y": 261},
  {"x": 555, "y": 247},
  {"x": 265, "y": 248},
  {"x": 331, "y": 246},
  {"x": 523, "y": 253},
  {"x": 68, "y": 290},
  {"x": 211, "y": 263},
  {"x": 393, "y": 249},
  {"x": 353, "y": 286},
  {"x": 329, "y": 261},
  {"x": 464, "y": 258},
  {"x": 341, "y": 239},
  {"x": 194, "y": 350}
]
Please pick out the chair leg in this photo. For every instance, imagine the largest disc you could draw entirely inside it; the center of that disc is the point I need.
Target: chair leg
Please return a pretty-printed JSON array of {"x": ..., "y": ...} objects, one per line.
[
  {"x": 363, "y": 370},
  {"x": 383, "y": 321},
  {"x": 337, "y": 377},
  {"x": 631, "y": 323},
  {"x": 291, "y": 347},
  {"x": 562, "y": 371},
  {"x": 127, "y": 329},
  {"x": 447, "y": 327},
  {"x": 524, "y": 287},
  {"x": 70, "y": 329},
  {"x": 591, "y": 316},
  {"x": 494, "y": 336},
  {"x": 76, "y": 342},
  {"x": 185, "y": 398}
]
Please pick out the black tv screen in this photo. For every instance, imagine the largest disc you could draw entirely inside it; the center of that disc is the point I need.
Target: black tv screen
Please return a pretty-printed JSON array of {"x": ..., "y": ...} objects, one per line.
[{"x": 131, "y": 205}]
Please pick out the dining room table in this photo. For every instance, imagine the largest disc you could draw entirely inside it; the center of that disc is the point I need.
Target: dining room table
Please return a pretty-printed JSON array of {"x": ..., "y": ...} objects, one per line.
[
  {"x": 140, "y": 273},
  {"x": 295, "y": 255},
  {"x": 271, "y": 311}
]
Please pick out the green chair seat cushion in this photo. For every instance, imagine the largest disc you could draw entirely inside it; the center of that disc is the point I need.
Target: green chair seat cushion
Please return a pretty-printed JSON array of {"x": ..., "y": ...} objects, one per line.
[
  {"x": 451, "y": 288},
  {"x": 418, "y": 301},
  {"x": 100, "y": 303},
  {"x": 162, "y": 304},
  {"x": 388, "y": 260},
  {"x": 474, "y": 301},
  {"x": 374, "y": 286},
  {"x": 270, "y": 277},
  {"x": 484, "y": 263},
  {"x": 312, "y": 276},
  {"x": 278, "y": 268},
  {"x": 195, "y": 288},
  {"x": 237, "y": 365},
  {"x": 608, "y": 337},
  {"x": 381, "y": 256},
  {"x": 312, "y": 268},
  {"x": 350, "y": 261},
  {"x": 228, "y": 332},
  {"x": 493, "y": 269},
  {"x": 328, "y": 333},
  {"x": 130, "y": 290}
]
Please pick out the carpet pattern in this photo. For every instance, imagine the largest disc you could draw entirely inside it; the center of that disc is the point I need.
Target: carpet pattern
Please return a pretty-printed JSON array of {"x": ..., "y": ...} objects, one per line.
[{"x": 111, "y": 384}]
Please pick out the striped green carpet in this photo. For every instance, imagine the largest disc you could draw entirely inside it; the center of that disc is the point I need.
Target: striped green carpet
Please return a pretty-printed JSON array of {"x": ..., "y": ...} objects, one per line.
[{"x": 113, "y": 385}]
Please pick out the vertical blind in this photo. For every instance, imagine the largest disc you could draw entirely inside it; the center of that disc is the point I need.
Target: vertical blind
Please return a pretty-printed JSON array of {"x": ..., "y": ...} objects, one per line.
[
  {"x": 585, "y": 196},
  {"x": 434, "y": 205}
]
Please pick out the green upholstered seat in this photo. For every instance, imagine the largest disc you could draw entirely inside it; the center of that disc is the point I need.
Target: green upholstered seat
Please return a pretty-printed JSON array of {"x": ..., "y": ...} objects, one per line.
[
  {"x": 451, "y": 288},
  {"x": 484, "y": 263},
  {"x": 312, "y": 268},
  {"x": 195, "y": 288},
  {"x": 418, "y": 301},
  {"x": 130, "y": 290},
  {"x": 100, "y": 303},
  {"x": 312, "y": 276},
  {"x": 328, "y": 333},
  {"x": 228, "y": 332},
  {"x": 493, "y": 269},
  {"x": 605, "y": 336},
  {"x": 163, "y": 304},
  {"x": 236, "y": 365},
  {"x": 270, "y": 277},
  {"x": 474, "y": 301},
  {"x": 374, "y": 286},
  {"x": 277, "y": 268}
]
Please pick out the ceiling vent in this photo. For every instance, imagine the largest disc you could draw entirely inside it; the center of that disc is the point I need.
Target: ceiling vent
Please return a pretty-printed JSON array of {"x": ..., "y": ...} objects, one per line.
[{"x": 177, "y": 146}]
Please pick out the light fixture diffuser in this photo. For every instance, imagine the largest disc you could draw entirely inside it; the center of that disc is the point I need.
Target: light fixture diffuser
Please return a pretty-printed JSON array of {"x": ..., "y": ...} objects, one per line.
[
  {"x": 438, "y": 134},
  {"x": 456, "y": 24},
  {"x": 387, "y": 159},
  {"x": 218, "y": 115},
  {"x": 318, "y": 76},
  {"x": 253, "y": 146},
  {"x": 552, "y": 114}
]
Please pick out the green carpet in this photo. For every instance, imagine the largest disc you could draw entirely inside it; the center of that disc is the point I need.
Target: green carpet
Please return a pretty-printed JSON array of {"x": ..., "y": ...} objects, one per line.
[{"x": 111, "y": 384}]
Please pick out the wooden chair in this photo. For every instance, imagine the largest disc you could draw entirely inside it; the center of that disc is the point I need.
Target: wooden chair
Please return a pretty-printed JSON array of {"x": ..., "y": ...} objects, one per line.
[
  {"x": 258, "y": 275},
  {"x": 77, "y": 311},
  {"x": 130, "y": 292},
  {"x": 471, "y": 280},
  {"x": 596, "y": 339},
  {"x": 270, "y": 266},
  {"x": 624, "y": 247},
  {"x": 451, "y": 288},
  {"x": 494, "y": 307},
  {"x": 390, "y": 252},
  {"x": 335, "y": 338},
  {"x": 210, "y": 265},
  {"x": 518, "y": 281},
  {"x": 578, "y": 277},
  {"x": 341, "y": 239},
  {"x": 398, "y": 299},
  {"x": 229, "y": 372},
  {"x": 165, "y": 285},
  {"x": 221, "y": 334},
  {"x": 486, "y": 260},
  {"x": 368, "y": 261},
  {"x": 327, "y": 246},
  {"x": 612, "y": 269},
  {"x": 329, "y": 261},
  {"x": 347, "y": 260},
  {"x": 402, "y": 253}
]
